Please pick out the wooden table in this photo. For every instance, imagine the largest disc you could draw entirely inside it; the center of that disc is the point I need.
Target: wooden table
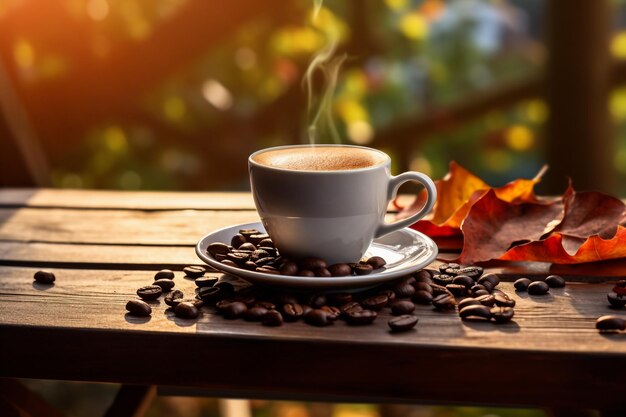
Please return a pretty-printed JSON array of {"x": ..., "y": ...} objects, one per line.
[{"x": 102, "y": 246}]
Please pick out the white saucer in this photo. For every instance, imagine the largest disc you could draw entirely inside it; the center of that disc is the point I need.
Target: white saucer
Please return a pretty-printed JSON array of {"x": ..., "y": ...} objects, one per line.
[{"x": 405, "y": 251}]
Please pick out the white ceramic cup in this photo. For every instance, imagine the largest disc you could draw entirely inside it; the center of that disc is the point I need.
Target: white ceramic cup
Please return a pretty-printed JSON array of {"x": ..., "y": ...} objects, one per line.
[{"x": 333, "y": 215}]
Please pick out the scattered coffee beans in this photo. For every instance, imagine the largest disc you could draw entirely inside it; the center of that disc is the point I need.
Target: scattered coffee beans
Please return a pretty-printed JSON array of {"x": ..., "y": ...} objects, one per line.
[
  {"x": 522, "y": 284},
  {"x": 138, "y": 308},
  {"x": 360, "y": 316},
  {"x": 194, "y": 271},
  {"x": 205, "y": 281},
  {"x": 174, "y": 298},
  {"x": 402, "y": 307},
  {"x": 272, "y": 318},
  {"x": 318, "y": 317},
  {"x": 165, "y": 284},
  {"x": 555, "y": 281},
  {"x": 186, "y": 310},
  {"x": 44, "y": 277},
  {"x": 472, "y": 312},
  {"x": 610, "y": 324},
  {"x": 502, "y": 314},
  {"x": 376, "y": 262}
]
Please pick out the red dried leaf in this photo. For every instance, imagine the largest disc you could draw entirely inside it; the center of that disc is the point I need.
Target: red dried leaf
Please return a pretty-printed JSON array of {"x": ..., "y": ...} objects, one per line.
[
  {"x": 493, "y": 225},
  {"x": 552, "y": 250}
]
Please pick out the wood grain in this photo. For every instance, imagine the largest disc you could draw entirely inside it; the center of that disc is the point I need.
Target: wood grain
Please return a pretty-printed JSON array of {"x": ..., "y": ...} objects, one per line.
[{"x": 552, "y": 338}]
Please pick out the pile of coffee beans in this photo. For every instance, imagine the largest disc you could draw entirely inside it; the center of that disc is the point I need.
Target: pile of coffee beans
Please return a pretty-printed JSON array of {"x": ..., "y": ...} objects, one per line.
[
  {"x": 475, "y": 294},
  {"x": 163, "y": 283},
  {"x": 539, "y": 287},
  {"x": 255, "y": 251}
]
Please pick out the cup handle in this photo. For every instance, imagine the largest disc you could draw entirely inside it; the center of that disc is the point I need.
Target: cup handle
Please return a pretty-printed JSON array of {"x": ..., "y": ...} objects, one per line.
[{"x": 394, "y": 184}]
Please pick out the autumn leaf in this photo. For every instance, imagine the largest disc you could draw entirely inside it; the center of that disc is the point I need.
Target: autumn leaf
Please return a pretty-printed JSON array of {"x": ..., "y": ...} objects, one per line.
[
  {"x": 493, "y": 225},
  {"x": 594, "y": 249}
]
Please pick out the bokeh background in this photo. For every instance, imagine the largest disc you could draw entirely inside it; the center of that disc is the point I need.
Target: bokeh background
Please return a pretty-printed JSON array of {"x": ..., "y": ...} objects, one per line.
[{"x": 174, "y": 94}]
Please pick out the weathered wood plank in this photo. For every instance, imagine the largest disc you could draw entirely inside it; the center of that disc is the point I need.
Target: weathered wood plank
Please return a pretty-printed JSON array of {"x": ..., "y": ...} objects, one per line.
[
  {"x": 96, "y": 256},
  {"x": 551, "y": 338},
  {"x": 134, "y": 200},
  {"x": 181, "y": 227}
]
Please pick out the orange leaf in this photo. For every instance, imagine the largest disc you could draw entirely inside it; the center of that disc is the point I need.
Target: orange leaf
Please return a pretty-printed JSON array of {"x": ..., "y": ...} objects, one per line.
[{"x": 595, "y": 248}]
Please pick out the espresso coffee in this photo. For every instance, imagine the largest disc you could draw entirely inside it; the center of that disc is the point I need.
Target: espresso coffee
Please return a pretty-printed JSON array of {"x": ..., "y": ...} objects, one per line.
[{"x": 320, "y": 158}]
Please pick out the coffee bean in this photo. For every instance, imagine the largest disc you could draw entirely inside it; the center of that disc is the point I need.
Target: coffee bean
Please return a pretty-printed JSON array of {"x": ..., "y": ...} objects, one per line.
[
  {"x": 443, "y": 267},
  {"x": 616, "y": 300},
  {"x": 210, "y": 294},
  {"x": 502, "y": 300},
  {"x": 269, "y": 261},
  {"x": 195, "y": 301},
  {"x": 502, "y": 314},
  {"x": 444, "y": 302},
  {"x": 164, "y": 274},
  {"x": 477, "y": 287},
  {"x": 267, "y": 270},
  {"x": 259, "y": 254},
  {"x": 173, "y": 298},
  {"x": 316, "y": 300},
  {"x": 255, "y": 314},
  {"x": 258, "y": 238},
  {"x": 239, "y": 258},
  {"x": 493, "y": 279},
  {"x": 333, "y": 312},
  {"x": 186, "y": 310},
  {"x": 376, "y": 262},
  {"x": 138, "y": 308},
  {"x": 271, "y": 251},
  {"x": 475, "y": 312},
  {"x": 391, "y": 296},
  {"x": 401, "y": 307},
  {"x": 272, "y": 318},
  {"x": 439, "y": 289},
  {"x": 220, "y": 257},
  {"x": 265, "y": 304},
  {"x": 360, "y": 317},
  {"x": 312, "y": 263},
  {"x": 322, "y": 272},
  {"x": 487, "y": 300},
  {"x": 610, "y": 324},
  {"x": 44, "y": 277},
  {"x": 349, "y": 307},
  {"x": 292, "y": 312},
  {"x": 375, "y": 303},
  {"x": 538, "y": 288},
  {"x": 229, "y": 263},
  {"x": 221, "y": 305},
  {"x": 218, "y": 248},
  {"x": 234, "y": 310},
  {"x": 422, "y": 297},
  {"x": 479, "y": 293},
  {"x": 473, "y": 272},
  {"x": 246, "y": 247},
  {"x": 306, "y": 273},
  {"x": 289, "y": 268},
  {"x": 403, "y": 290},
  {"x": 317, "y": 317},
  {"x": 237, "y": 241},
  {"x": 463, "y": 280},
  {"x": 165, "y": 284},
  {"x": 226, "y": 287},
  {"x": 340, "y": 270},
  {"x": 402, "y": 323},
  {"x": 522, "y": 284},
  {"x": 423, "y": 275},
  {"x": 338, "y": 298},
  {"x": 555, "y": 281},
  {"x": 205, "y": 281},
  {"x": 443, "y": 279},
  {"x": 193, "y": 271},
  {"x": 456, "y": 289},
  {"x": 363, "y": 269},
  {"x": 248, "y": 232},
  {"x": 468, "y": 302},
  {"x": 422, "y": 286},
  {"x": 149, "y": 292},
  {"x": 266, "y": 243}
]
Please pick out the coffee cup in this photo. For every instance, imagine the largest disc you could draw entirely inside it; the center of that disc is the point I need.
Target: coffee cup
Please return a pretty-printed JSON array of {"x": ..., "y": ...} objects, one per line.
[{"x": 328, "y": 201}]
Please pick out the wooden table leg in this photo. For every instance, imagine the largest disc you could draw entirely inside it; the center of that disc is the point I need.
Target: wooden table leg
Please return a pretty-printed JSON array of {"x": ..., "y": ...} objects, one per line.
[
  {"x": 14, "y": 394},
  {"x": 131, "y": 401}
]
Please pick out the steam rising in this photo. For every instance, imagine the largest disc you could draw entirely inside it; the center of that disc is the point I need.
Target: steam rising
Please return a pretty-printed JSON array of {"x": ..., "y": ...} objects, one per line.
[{"x": 324, "y": 62}]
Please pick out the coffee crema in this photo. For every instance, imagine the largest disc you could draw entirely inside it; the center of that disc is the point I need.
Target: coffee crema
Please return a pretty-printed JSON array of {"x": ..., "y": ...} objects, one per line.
[{"x": 320, "y": 158}]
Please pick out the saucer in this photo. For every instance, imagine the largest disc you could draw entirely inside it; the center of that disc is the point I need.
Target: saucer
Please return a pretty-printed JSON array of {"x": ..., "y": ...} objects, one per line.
[{"x": 405, "y": 251}]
